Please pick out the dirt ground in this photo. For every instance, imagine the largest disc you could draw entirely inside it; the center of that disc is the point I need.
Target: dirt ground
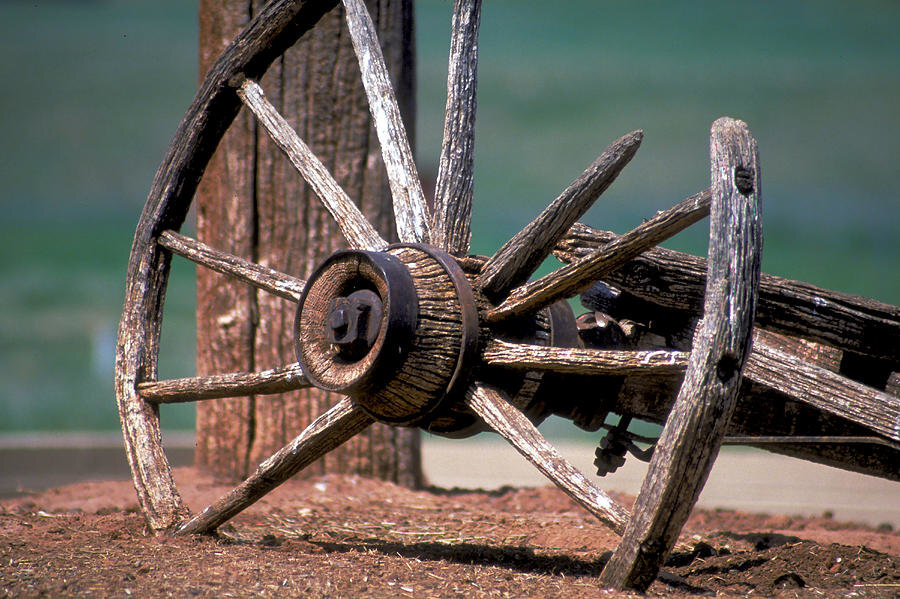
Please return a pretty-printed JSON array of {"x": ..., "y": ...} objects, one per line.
[{"x": 353, "y": 537}]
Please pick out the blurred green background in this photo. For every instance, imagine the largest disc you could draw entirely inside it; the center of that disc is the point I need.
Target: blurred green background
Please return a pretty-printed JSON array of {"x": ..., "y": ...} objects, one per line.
[{"x": 92, "y": 92}]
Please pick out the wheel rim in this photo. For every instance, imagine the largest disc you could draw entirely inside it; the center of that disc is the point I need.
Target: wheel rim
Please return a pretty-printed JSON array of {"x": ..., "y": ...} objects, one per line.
[{"x": 166, "y": 208}]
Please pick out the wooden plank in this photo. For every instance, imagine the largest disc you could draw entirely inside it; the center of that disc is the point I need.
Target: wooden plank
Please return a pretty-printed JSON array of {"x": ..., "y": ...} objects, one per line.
[
  {"x": 268, "y": 279},
  {"x": 410, "y": 210},
  {"x": 694, "y": 430},
  {"x": 520, "y": 356},
  {"x": 677, "y": 280},
  {"x": 235, "y": 384},
  {"x": 824, "y": 389},
  {"x": 356, "y": 229},
  {"x": 582, "y": 273},
  {"x": 452, "y": 218},
  {"x": 821, "y": 355},
  {"x": 327, "y": 432},
  {"x": 509, "y": 422},
  {"x": 519, "y": 257}
]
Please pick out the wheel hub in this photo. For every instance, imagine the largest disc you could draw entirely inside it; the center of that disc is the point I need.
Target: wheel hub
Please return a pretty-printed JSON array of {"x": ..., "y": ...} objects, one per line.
[{"x": 397, "y": 330}]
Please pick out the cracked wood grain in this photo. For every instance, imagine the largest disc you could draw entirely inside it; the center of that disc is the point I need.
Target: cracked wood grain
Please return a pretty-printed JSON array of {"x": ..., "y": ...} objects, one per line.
[
  {"x": 235, "y": 384},
  {"x": 262, "y": 277},
  {"x": 520, "y": 356},
  {"x": 676, "y": 280},
  {"x": 510, "y": 423},
  {"x": 327, "y": 432},
  {"x": 410, "y": 209},
  {"x": 452, "y": 218},
  {"x": 356, "y": 229},
  {"x": 580, "y": 274}
]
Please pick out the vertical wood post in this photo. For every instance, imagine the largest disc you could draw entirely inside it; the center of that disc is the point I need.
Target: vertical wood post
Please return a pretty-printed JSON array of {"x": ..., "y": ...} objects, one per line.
[
  {"x": 253, "y": 204},
  {"x": 693, "y": 433}
]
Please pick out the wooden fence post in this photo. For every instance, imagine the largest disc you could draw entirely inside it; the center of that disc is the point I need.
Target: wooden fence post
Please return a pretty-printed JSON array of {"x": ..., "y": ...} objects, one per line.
[{"x": 253, "y": 204}]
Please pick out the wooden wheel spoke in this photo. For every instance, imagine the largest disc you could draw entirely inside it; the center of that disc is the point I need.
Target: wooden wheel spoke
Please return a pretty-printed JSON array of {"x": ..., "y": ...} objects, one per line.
[
  {"x": 327, "y": 432},
  {"x": 509, "y": 422},
  {"x": 410, "y": 209},
  {"x": 578, "y": 275},
  {"x": 263, "y": 277},
  {"x": 236, "y": 384},
  {"x": 356, "y": 229},
  {"x": 520, "y": 356},
  {"x": 451, "y": 224},
  {"x": 520, "y": 256}
]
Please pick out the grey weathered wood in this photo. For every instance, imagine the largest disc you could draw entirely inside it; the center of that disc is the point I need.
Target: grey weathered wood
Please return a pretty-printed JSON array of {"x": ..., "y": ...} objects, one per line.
[
  {"x": 236, "y": 384},
  {"x": 824, "y": 389},
  {"x": 818, "y": 354},
  {"x": 520, "y": 356},
  {"x": 676, "y": 280},
  {"x": 509, "y": 422},
  {"x": 763, "y": 412},
  {"x": 327, "y": 432},
  {"x": 580, "y": 274},
  {"x": 213, "y": 108},
  {"x": 263, "y": 277},
  {"x": 410, "y": 210},
  {"x": 358, "y": 232},
  {"x": 452, "y": 218},
  {"x": 694, "y": 430},
  {"x": 519, "y": 257}
]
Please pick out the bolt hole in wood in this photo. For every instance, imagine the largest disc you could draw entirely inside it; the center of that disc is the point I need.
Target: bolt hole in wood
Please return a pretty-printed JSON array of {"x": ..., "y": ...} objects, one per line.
[
  {"x": 743, "y": 179},
  {"x": 727, "y": 367}
]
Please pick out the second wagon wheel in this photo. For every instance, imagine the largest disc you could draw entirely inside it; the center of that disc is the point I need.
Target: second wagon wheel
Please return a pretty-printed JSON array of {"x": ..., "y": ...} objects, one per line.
[{"x": 419, "y": 333}]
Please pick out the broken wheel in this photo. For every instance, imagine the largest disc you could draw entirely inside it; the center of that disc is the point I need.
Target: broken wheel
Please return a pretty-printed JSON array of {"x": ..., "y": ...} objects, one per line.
[{"x": 419, "y": 333}]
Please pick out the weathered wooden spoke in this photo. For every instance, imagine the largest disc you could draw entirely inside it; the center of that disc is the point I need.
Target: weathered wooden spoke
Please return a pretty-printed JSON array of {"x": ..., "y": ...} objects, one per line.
[
  {"x": 354, "y": 226},
  {"x": 410, "y": 209},
  {"x": 771, "y": 368},
  {"x": 262, "y": 277},
  {"x": 327, "y": 432},
  {"x": 452, "y": 218},
  {"x": 519, "y": 257},
  {"x": 217, "y": 386},
  {"x": 580, "y": 274},
  {"x": 509, "y": 422},
  {"x": 520, "y": 356}
]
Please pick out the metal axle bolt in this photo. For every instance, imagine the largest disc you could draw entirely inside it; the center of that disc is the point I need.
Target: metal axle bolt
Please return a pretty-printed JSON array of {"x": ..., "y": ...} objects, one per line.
[{"x": 354, "y": 323}]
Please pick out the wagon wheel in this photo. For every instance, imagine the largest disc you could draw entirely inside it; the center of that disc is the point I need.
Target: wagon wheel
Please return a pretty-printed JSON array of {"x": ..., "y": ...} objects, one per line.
[{"x": 418, "y": 334}]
